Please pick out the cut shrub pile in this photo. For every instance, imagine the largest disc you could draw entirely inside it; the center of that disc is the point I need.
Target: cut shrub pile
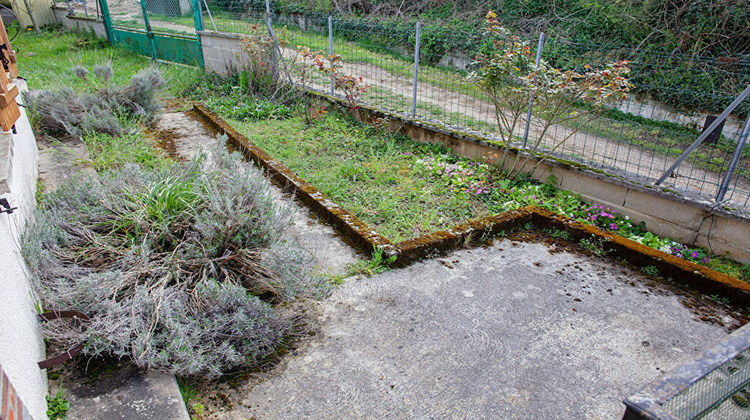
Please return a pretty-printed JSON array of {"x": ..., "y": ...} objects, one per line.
[
  {"x": 178, "y": 268},
  {"x": 101, "y": 107}
]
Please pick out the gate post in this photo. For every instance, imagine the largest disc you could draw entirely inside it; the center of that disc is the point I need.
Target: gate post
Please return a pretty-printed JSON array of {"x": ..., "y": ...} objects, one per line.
[
  {"x": 107, "y": 19},
  {"x": 149, "y": 34},
  {"x": 198, "y": 19}
]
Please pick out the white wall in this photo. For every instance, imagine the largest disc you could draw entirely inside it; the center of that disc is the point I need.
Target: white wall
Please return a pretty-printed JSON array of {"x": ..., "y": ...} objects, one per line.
[
  {"x": 21, "y": 345},
  {"x": 41, "y": 9}
]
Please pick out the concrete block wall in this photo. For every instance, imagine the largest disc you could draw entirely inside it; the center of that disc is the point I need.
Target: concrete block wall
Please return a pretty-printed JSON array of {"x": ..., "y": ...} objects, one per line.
[
  {"x": 41, "y": 8},
  {"x": 21, "y": 344},
  {"x": 221, "y": 51},
  {"x": 79, "y": 23}
]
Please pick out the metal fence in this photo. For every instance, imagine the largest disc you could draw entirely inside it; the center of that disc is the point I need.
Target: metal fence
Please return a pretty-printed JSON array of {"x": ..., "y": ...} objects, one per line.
[
  {"x": 715, "y": 385},
  {"x": 420, "y": 71}
]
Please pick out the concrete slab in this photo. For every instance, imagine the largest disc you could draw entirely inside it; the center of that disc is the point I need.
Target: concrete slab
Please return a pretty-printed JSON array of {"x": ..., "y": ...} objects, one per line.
[
  {"x": 128, "y": 394},
  {"x": 508, "y": 331},
  {"x": 60, "y": 161}
]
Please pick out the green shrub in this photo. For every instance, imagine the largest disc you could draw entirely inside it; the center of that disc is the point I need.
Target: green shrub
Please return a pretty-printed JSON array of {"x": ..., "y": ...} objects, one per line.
[{"x": 247, "y": 108}]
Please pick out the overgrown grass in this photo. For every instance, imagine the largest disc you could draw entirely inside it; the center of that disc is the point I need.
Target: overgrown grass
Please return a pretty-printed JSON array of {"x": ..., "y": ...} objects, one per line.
[
  {"x": 405, "y": 189},
  {"x": 107, "y": 152},
  {"x": 369, "y": 172}
]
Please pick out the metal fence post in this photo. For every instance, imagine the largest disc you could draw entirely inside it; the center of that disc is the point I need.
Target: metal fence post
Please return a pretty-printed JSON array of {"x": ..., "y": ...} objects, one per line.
[
  {"x": 705, "y": 134},
  {"x": 330, "y": 47},
  {"x": 209, "y": 16},
  {"x": 198, "y": 22},
  {"x": 269, "y": 22},
  {"x": 107, "y": 19},
  {"x": 531, "y": 95},
  {"x": 733, "y": 164},
  {"x": 416, "y": 71},
  {"x": 149, "y": 34},
  {"x": 276, "y": 51}
]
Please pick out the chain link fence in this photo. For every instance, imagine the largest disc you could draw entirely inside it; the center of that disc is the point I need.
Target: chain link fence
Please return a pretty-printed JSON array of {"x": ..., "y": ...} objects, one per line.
[{"x": 638, "y": 139}]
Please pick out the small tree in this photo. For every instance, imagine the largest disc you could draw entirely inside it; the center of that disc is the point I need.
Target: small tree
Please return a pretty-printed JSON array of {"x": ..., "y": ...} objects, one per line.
[
  {"x": 507, "y": 75},
  {"x": 352, "y": 86}
]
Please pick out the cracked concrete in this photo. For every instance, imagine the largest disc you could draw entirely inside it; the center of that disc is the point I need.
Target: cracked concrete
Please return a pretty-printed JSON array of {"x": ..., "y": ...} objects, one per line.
[
  {"x": 515, "y": 330},
  {"x": 508, "y": 331}
]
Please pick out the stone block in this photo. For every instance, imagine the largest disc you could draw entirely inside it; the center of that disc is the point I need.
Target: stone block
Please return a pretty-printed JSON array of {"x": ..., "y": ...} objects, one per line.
[
  {"x": 728, "y": 229},
  {"x": 586, "y": 184},
  {"x": 656, "y": 205}
]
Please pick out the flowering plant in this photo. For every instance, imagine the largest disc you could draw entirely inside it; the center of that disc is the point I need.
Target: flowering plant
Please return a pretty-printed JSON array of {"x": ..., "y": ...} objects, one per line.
[
  {"x": 352, "y": 86},
  {"x": 509, "y": 77}
]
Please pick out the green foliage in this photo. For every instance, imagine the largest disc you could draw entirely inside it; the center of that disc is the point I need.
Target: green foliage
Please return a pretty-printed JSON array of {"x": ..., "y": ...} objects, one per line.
[
  {"x": 560, "y": 234},
  {"x": 723, "y": 300},
  {"x": 57, "y": 406},
  {"x": 352, "y": 171},
  {"x": 650, "y": 270},
  {"x": 110, "y": 152},
  {"x": 377, "y": 264},
  {"x": 196, "y": 411},
  {"x": 188, "y": 390},
  {"x": 594, "y": 246},
  {"x": 331, "y": 151},
  {"x": 244, "y": 108},
  {"x": 39, "y": 192},
  {"x": 405, "y": 189}
]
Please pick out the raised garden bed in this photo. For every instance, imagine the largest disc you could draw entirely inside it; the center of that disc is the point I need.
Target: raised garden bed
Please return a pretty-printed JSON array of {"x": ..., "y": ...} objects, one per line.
[{"x": 478, "y": 230}]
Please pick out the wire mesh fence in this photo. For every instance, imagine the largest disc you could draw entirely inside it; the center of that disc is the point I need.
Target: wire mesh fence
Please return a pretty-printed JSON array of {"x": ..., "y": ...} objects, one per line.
[
  {"x": 715, "y": 385},
  {"x": 638, "y": 139},
  {"x": 82, "y": 8}
]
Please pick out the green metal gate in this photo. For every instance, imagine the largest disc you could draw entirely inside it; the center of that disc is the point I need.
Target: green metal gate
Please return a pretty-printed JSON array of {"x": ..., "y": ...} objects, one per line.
[{"x": 164, "y": 30}]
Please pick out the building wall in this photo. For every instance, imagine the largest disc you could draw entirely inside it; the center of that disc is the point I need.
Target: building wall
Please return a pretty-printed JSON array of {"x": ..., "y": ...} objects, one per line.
[
  {"x": 41, "y": 9},
  {"x": 21, "y": 344}
]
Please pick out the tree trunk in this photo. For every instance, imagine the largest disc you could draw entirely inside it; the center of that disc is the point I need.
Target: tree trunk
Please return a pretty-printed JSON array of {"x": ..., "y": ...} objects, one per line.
[{"x": 31, "y": 15}]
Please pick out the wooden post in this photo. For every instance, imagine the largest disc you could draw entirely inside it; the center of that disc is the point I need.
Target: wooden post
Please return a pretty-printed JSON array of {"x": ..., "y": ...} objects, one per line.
[{"x": 9, "y": 111}]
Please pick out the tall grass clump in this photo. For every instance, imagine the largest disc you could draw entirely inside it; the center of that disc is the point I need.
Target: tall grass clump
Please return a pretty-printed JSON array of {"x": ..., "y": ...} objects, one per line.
[{"x": 180, "y": 269}]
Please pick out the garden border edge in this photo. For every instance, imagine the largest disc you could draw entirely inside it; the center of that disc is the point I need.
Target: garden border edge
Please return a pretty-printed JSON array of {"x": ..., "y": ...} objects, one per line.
[{"x": 472, "y": 232}]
